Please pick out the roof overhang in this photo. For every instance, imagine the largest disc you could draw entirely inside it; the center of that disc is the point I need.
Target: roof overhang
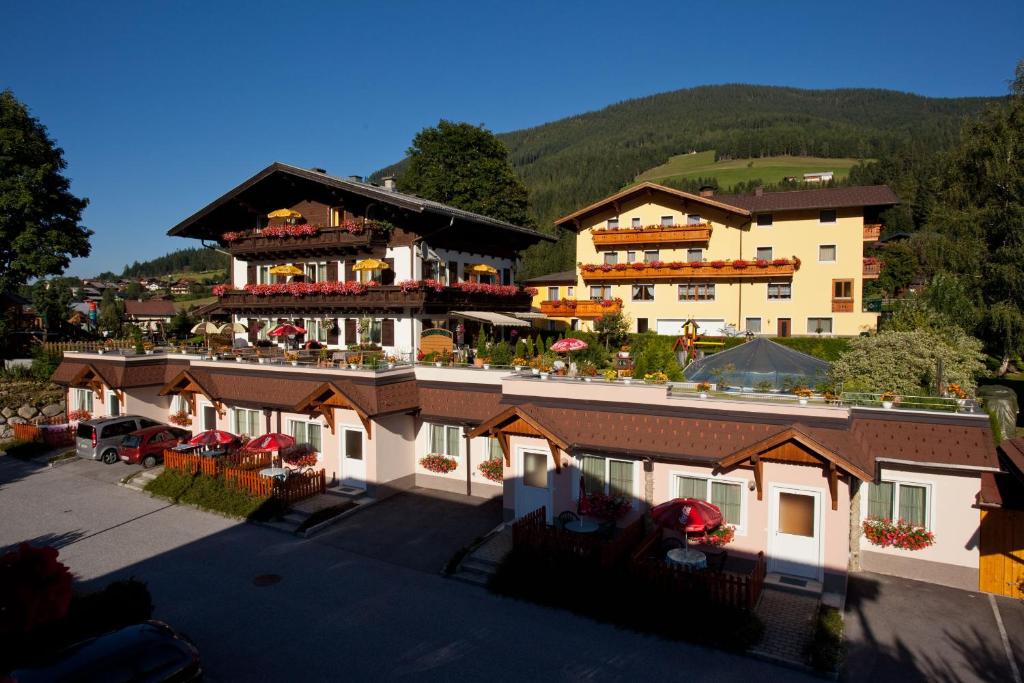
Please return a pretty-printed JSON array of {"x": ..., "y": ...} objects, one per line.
[
  {"x": 515, "y": 421},
  {"x": 325, "y": 398},
  {"x": 573, "y": 219},
  {"x": 186, "y": 385},
  {"x": 491, "y": 318}
]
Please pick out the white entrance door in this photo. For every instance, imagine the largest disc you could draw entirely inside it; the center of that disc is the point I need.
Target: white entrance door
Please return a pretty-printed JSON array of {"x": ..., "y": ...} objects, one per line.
[
  {"x": 533, "y": 485},
  {"x": 353, "y": 460},
  {"x": 796, "y": 533}
]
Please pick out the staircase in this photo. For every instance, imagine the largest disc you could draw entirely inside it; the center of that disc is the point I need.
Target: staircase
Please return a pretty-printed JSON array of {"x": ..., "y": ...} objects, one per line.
[
  {"x": 138, "y": 481},
  {"x": 482, "y": 562}
]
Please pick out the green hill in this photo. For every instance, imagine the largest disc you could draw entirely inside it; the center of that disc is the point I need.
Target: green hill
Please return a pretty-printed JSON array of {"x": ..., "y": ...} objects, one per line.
[
  {"x": 574, "y": 161},
  {"x": 732, "y": 172},
  {"x": 206, "y": 265}
]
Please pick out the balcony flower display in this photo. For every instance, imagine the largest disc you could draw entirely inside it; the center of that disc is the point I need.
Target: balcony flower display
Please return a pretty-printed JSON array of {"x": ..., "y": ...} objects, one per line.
[
  {"x": 440, "y": 464},
  {"x": 718, "y": 264},
  {"x": 889, "y": 533},
  {"x": 606, "y": 507},
  {"x": 306, "y": 230},
  {"x": 78, "y": 415},
  {"x": 180, "y": 418},
  {"x": 493, "y": 470},
  {"x": 657, "y": 377},
  {"x": 302, "y": 455}
]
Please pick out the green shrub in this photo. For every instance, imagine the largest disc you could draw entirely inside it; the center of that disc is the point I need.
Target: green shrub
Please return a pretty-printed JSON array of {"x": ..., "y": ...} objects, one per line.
[
  {"x": 212, "y": 494},
  {"x": 501, "y": 353},
  {"x": 44, "y": 364},
  {"x": 826, "y": 649},
  {"x": 170, "y": 484}
]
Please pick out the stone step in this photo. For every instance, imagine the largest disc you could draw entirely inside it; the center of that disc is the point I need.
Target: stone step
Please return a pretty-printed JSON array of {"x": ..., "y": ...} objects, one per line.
[
  {"x": 471, "y": 578},
  {"x": 474, "y": 564}
]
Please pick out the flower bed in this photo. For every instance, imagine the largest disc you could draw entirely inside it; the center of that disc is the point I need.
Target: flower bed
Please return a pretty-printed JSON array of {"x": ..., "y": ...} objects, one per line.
[
  {"x": 441, "y": 464},
  {"x": 889, "y": 533},
  {"x": 305, "y": 230},
  {"x": 493, "y": 470}
]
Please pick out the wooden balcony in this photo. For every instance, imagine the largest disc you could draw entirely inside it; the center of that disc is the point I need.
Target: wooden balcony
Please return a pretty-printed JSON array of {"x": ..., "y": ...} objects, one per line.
[
  {"x": 326, "y": 241},
  {"x": 374, "y": 300},
  {"x": 704, "y": 270},
  {"x": 872, "y": 269},
  {"x": 570, "y": 308},
  {"x": 681, "y": 234},
  {"x": 842, "y": 305},
  {"x": 872, "y": 231}
]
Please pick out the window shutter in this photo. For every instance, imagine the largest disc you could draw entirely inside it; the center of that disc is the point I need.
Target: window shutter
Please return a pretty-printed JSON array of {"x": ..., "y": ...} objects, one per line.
[
  {"x": 332, "y": 332},
  {"x": 453, "y": 272},
  {"x": 250, "y": 273},
  {"x": 350, "y": 330},
  {"x": 387, "y": 332},
  {"x": 349, "y": 273},
  {"x": 254, "y": 330},
  {"x": 387, "y": 276},
  {"x": 332, "y": 271},
  {"x": 506, "y": 276}
]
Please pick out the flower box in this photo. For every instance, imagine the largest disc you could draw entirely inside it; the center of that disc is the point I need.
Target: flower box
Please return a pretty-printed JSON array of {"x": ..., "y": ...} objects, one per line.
[
  {"x": 889, "y": 533},
  {"x": 493, "y": 470},
  {"x": 677, "y": 270},
  {"x": 652, "y": 234},
  {"x": 439, "y": 464}
]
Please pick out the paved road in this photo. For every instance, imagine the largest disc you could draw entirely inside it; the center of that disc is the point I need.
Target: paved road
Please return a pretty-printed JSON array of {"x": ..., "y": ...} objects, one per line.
[{"x": 335, "y": 613}]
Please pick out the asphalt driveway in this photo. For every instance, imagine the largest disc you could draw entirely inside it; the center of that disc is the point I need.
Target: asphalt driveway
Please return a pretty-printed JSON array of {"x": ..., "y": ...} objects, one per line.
[
  {"x": 898, "y": 629},
  {"x": 419, "y": 529}
]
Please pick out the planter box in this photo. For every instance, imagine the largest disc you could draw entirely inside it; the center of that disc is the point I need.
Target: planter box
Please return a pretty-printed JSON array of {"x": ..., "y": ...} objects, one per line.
[
  {"x": 578, "y": 309},
  {"x": 704, "y": 271},
  {"x": 681, "y": 234}
]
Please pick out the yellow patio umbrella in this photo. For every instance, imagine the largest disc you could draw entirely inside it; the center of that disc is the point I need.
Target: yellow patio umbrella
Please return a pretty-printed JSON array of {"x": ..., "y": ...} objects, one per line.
[
  {"x": 284, "y": 213},
  {"x": 482, "y": 268},
  {"x": 286, "y": 270},
  {"x": 370, "y": 264}
]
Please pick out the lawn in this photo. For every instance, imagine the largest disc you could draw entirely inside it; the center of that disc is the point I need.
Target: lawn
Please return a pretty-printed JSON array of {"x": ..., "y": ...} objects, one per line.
[
  {"x": 189, "y": 303},
  {"x": 203, "y": 276},
  {"x": 730, "y": 172}
]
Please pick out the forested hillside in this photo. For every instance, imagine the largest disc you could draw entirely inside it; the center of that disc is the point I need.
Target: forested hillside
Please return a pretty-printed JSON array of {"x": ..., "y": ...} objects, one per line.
[
  {"x": 192, "y": 260},
  {"x": 572, "y": 162}
]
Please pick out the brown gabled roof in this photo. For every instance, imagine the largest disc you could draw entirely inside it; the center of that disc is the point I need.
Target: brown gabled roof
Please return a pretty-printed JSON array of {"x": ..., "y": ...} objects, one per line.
[
  {"x": 149, "y": 307},
  {"x": 935, "y": 441},
  {"x": 121, "y": 375},
  {"x": 463, "y": 404},
  {"x": 833, "y": 445},
  {"x": 1000, "y": 490},
  {"x": 566, "y": 221},
  {"x": 823, "y": 198}
]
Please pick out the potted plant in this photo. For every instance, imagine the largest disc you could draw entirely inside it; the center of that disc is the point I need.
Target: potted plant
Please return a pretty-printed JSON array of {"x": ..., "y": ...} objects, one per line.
[
  {"x": 888, "y": 398},
  {"x": 485, "y": 363},
  {"x": 180, "y": 418},
  {"x": 292, "y": 358},
  {"x": 803, "y": 393},
  {"x": 610, "y": 375},
  {"x": 656, "y": 377},
  {"x": 702, "y": 389},
  {"x": 518, "y": 362}
]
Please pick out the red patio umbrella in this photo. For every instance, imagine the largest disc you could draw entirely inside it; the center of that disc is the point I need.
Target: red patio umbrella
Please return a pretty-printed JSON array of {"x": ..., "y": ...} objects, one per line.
[
  {"x": 212, "y": 437},
  {"x": 688, "y": 515},
  {"x": 287, "y": 330},
  {"x": 274, "y": 441}
]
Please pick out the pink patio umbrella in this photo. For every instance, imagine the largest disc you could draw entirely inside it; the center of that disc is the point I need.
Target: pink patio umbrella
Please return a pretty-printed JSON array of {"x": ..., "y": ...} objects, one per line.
[
  {"x": 275, "y": 441},
  {"x": 688, "y": 515},
  {"x": 568, "y": 345},
  {"x": 213, "y": 437},
  {"x": 287, "y": 330}
]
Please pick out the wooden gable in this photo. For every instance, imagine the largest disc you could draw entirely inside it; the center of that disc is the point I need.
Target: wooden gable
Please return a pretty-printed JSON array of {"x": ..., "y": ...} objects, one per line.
[
  {"x": 89, "y": 378},
  {"x": 187, "y": 386},
  {"x": 516, "y": 422},
  {"x": 325, "y": 399}
]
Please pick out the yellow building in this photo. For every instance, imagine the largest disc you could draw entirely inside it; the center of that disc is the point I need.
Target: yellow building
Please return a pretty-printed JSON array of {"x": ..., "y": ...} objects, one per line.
[{"x": 772, "y": 263}]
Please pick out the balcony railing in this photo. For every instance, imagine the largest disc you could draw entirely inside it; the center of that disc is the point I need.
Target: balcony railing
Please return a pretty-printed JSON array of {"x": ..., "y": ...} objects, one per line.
[
  {"x": 325, "y": 241},
  {"x": 570, "y": 308},
  {"x": 375, "y": 299},
  {"x": 842, "y": 305},
  {"x": 680, "y": 234},
  {"x": 702, "y": 270},
  {"x": 872, "y": 268},
  {"x": 872, "y": 231}
]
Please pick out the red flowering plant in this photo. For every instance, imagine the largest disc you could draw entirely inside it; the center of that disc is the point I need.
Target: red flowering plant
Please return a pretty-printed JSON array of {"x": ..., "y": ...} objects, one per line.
[
  {"x": 639, "y": 265},
  {"x": 532, "y": 291},
  {"x": 740, "y": 263},
  {"x": 441, "y": 464},
  {"x": 621, "y": 266},
  {"x": 300, "y": 455},
  {"x": 717, "y": 264},
  {"x": 610, "y": 302},
  {"x": 588, "y": 267},
  {"x": 721, "y": 535},
  {"x": 889, "y": 533},
  {"x": 603, "y": 506},
  {"x": 180, "y": 418},
  {"x": 762, "y": 263},
  {"x": 780, "y": 262},
  {"x": 656, "y": 264},
  {"x": 36, "y": 589},
  {"x": 219, "y": 290},
  {"x": 482, "y": 288},
  {"x": 493, "y": 470},
  {"x": 78, "y": 415}
]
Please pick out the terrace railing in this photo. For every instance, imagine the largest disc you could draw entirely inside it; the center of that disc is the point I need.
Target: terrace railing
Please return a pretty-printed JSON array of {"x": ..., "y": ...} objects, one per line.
[
  {"x": 46, "y": 432},
  {"x": 242, "y": 471},
  {"x": 531, "y": 531}
]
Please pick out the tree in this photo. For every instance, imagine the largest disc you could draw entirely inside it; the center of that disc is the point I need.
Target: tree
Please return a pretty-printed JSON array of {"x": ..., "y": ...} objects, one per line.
[
  {"x": 467, "y": 167},
  {"x": 133, "y": 291},
  {"x": 905, "y": 361},
  {"x": 52, "y": 301},
  {"x": 980, "y": 212},
  {"x": 612, "y": 329},
  {"x": 111, "y": 312},
  {"x": 39, "y": 221},
  {"x": 899, "y": 267}
]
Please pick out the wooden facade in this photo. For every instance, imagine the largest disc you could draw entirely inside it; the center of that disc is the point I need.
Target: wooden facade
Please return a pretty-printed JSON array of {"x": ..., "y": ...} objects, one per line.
[{"x": 1001, "y": 548}]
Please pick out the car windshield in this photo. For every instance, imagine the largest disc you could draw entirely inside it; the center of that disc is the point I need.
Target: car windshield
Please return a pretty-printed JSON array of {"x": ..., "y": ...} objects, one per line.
[
  {"x": 131, "y": 441},
  {"x": 84, "y": 431}
]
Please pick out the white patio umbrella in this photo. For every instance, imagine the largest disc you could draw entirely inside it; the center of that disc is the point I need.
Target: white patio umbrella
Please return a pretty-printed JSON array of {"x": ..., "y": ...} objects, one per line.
[
  {"x": 205, "y": 329},
  {"x": 232, "y": 328}
]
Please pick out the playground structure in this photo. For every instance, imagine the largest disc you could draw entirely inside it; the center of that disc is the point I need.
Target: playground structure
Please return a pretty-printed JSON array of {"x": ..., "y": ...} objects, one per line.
[{"x": 689, "y": 346}]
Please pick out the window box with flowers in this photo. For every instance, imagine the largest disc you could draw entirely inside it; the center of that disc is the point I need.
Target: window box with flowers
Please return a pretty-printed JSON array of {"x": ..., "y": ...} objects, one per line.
[
  {"x": 78, "y": 415},
  {"x": 604, "y": 506},
  {"x": 720, "y": 536},
  {"x": 180, "y": 418},
  {"x": 439, "y": 464},
  {"x": 890, "y": 533},
  {"x": 668, "y": 270},
  {"x": 493, "y": 469},
  {"x": 302, "y": 455}
]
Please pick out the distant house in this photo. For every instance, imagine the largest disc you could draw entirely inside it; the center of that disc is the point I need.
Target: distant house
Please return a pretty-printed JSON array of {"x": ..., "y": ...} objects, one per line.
[
  {"x": 181, "y": 287},
  {"x": 819, "y": 177},
  {"x": 151, "y": 285},
  {"x": 149, "y": 315}
]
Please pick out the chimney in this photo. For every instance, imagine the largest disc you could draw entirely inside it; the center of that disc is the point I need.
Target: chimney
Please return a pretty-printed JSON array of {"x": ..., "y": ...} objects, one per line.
[
  {"x": 759, "y": 190},
  {"x": 357, "y": 178},
  {"x": 319, "y": 170},
  {"x": 707, "y": 191},
  {"x": 389, "y": 183}
]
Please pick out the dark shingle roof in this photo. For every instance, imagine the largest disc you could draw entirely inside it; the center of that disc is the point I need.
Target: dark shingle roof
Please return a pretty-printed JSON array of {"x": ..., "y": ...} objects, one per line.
[
  {"x": 151, "y": 307},
  {"x": 823, "y": 198},
  {"x": 565, "y": 277}
]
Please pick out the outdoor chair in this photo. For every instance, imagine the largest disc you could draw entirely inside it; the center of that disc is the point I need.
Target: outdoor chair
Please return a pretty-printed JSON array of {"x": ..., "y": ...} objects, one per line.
[{"x": 566, "y": 517}]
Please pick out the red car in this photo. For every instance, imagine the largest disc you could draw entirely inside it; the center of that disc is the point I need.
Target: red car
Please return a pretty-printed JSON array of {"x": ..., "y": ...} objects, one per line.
[{"x": 147, "y": 445}]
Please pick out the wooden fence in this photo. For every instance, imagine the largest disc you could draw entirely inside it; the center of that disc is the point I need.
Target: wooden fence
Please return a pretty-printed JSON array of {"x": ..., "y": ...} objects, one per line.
[
  {"x": 724, "y": 588},
  {"x": 241, "y": 470},
  {"x": 60, "y": 347},
  {"x": 53, "y": 435},
  {"x": 532, "y": 531}
]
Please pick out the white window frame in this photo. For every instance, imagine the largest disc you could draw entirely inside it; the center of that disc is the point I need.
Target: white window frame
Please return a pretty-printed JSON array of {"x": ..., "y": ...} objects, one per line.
[
  {"x": 179, "y": 404},
  {"x": 769, "y": 257},
  {"x": 634, "y": 222},
  {"x": 631, "y": 256},
  {"x": 710, "y": 300},
  {"x": 612, "y": 223},
  {"x": 690, "y": 219},
  {"x": 648, "y": 252},
  {"x": 642, "y": 284},
  {"x": 760, "y": 323},
  {"x": 699, "y": 254},
  {"x": 741, "y": 528},
  {"x": 667, "y": 221},
  {"x": 768, "y": 289},
  {"x": 201, "y": 407},
  {"x": 835, "y": 253},
  {"x": 637, "y": 473},
  {"x": 444, "y": 441},
  {"x": 832, "y": 325},
  {"x": 570, "y": 292},
  {"x": 929, "y": 497},
  {"x": 234, "y": 419},
  {"x": 611, "y": 258},
  {"x": 600, "y": 297},
  {"x": 295, "y": 421},
  {"x": 553, "y": 294},
  {"x": 84, "y": 399}
]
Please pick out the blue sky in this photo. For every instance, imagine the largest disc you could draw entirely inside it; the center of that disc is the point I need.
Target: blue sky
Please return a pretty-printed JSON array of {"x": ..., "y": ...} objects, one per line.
[{"x": 161, "y": 107}]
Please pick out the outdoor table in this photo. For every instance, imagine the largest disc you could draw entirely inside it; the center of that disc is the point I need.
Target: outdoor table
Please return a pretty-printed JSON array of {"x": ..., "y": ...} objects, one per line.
[
  {"x": 214, "y": 453},
  {"x": 184, "y": 448},
  {"x": 691, "y": 559},
  {"x": 275, "y": 472},
  {"x": 582, "y": 526}
]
